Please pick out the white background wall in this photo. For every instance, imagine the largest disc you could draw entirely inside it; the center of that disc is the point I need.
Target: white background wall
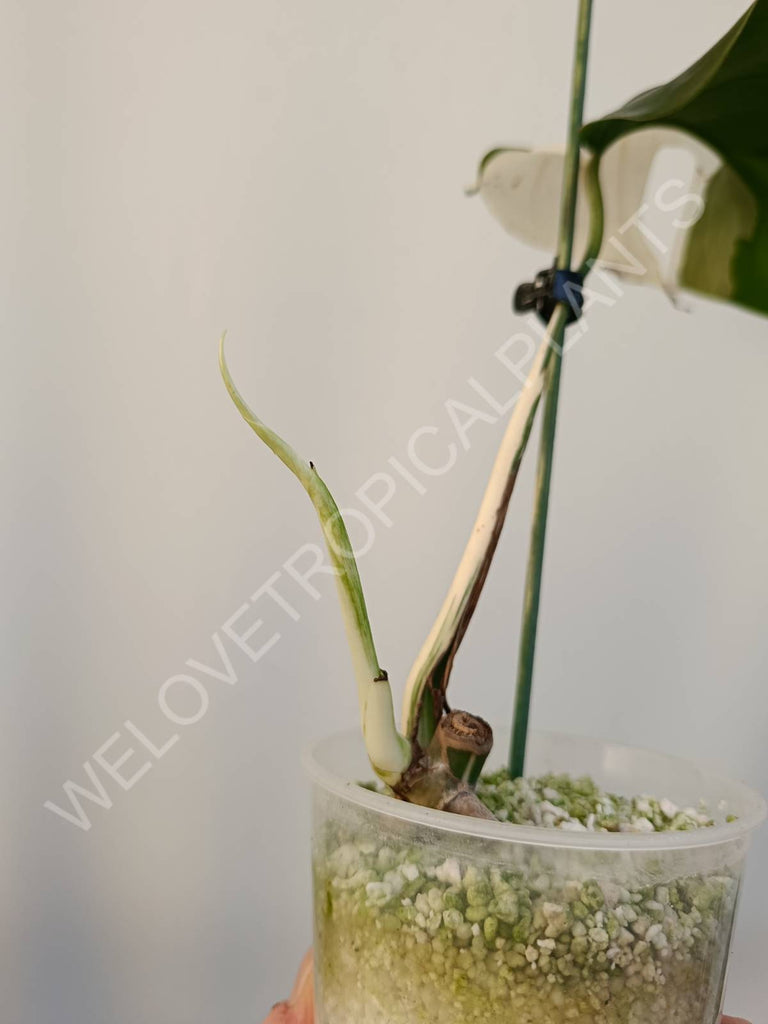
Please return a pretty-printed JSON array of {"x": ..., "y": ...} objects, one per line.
[{"x": 294, "y": 172}]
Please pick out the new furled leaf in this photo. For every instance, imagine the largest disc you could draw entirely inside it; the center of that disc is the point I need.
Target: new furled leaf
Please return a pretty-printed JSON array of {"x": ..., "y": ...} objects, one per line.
[{"x": 389, "y": 752}]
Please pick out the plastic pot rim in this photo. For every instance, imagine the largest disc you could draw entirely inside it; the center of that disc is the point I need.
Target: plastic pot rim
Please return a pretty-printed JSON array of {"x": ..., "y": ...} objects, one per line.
[{"x": 754, "y": 815}]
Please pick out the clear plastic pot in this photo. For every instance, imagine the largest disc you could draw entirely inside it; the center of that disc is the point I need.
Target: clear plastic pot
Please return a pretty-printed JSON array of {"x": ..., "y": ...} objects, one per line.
[{"x": 423, "y": 916}]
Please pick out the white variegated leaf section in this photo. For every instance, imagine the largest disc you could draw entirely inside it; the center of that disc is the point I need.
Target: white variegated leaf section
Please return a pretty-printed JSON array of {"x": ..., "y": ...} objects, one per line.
[{"x": 521, "y": 190}]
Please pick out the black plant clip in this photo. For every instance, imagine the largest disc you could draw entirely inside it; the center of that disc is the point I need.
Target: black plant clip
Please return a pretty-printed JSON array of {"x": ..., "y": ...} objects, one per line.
[{"x": 549, "y": 288}]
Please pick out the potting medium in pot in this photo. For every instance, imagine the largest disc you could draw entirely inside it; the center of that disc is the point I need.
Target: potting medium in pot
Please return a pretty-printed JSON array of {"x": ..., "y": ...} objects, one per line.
[{"x": 423, "y": 917}]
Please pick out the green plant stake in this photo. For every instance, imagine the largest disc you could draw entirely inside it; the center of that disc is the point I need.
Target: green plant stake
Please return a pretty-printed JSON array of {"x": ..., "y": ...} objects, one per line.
[{"x": 551, "y": 395}]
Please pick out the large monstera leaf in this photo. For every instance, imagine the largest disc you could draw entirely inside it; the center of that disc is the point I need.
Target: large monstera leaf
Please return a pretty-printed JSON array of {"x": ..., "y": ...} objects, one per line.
[
  {"x": 721, "y": 101},
  {"x": 716, "y": 110}
]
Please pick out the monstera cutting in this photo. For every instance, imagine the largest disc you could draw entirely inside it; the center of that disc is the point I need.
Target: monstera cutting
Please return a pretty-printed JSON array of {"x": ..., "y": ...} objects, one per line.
[{"x": 563, "y": 893}]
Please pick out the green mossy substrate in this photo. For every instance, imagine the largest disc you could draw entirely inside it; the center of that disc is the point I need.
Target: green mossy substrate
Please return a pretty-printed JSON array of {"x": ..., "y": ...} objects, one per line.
[{"x": 406, "y": 935}]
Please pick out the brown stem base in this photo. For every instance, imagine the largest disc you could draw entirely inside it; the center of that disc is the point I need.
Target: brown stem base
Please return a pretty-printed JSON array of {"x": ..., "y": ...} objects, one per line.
[{"x": 431, "y": 784}]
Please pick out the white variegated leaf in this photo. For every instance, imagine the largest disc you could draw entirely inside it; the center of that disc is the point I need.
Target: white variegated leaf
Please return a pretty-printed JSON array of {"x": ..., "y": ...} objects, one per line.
[{"x": 521, "y": 189}]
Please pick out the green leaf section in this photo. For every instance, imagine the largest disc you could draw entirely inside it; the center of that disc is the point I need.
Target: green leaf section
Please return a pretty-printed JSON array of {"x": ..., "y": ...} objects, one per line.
[
  {"x": 729, "y": 218},
  {"x": 723, "y": 101}
]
